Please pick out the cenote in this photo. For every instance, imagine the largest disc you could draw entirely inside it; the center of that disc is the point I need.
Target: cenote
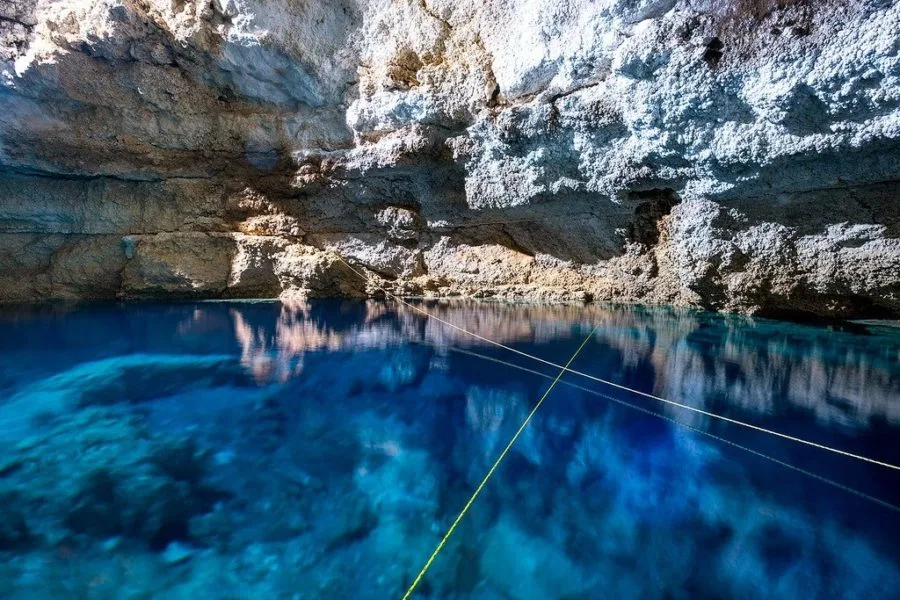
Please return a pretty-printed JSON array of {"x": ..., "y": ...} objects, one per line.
[{"x": 322, "y": 449}]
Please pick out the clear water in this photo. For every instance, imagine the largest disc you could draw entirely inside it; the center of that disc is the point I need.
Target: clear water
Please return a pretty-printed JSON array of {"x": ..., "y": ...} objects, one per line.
[{"x": 260, "y": 450}]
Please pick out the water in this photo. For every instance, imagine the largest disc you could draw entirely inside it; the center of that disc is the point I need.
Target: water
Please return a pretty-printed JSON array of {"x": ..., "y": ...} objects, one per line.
[{"x": 260, "y": 450}]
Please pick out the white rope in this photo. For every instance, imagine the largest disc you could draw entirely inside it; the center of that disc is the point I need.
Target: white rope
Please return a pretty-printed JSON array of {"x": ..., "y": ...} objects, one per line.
[
  {"x": 622, "y": 387},
  {"x": 676, "y": 422}
]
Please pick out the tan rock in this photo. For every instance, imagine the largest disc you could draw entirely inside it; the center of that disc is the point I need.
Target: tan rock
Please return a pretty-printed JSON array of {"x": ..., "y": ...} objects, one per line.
[
  {"x": 719, "y": 156},
  {"x": 178, "y": 265}
]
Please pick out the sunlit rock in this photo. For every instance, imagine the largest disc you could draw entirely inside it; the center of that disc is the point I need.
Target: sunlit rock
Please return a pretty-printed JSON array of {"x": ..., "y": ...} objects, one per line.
[{"x": 736, "y": 156}]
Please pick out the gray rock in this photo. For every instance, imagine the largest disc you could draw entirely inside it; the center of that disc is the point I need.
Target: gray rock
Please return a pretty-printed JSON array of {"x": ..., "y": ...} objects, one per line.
[{"x": 730, "y": 155}]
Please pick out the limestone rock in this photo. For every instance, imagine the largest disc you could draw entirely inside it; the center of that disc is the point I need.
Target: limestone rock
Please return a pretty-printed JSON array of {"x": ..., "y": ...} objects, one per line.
[
  {"x": 133, "y": 377},
  {"x": 253, "y": 269},
  {"x": 178, "y": 264},
  {"x": 401, "y": 223},
  {"x": 725, "y": 154},
  {"x": 177, "y": 552},
  {"x": 102, "y": 474},
  {"x": 528, "y": 567},
  {"x": 317, "y": 274}
]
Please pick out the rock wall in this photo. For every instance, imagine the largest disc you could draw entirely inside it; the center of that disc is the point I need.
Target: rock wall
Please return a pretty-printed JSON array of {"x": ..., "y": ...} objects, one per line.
[{"x": 731, "y": 154}]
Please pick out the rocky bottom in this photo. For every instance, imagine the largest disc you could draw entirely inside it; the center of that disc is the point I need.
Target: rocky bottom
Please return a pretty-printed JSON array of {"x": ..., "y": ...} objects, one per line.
[{"x": 265, "y": 450}]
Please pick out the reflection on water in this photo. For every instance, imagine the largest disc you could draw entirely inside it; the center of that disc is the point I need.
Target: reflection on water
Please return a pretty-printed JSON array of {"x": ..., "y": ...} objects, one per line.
[
  {"x": 710, "y": 362},
  {"x": 266, "y": 450}
]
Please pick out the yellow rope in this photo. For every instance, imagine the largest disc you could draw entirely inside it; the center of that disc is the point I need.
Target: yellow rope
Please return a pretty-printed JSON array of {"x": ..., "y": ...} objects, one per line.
[
  {"x": 490, "y": 472},
  {"x": 622, "y": 387}
]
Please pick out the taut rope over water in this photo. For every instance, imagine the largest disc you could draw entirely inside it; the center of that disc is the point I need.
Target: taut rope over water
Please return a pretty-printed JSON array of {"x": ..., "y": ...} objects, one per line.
[
  {"x": 810, "y": 474},
  {"x": 622, "y": 387}
]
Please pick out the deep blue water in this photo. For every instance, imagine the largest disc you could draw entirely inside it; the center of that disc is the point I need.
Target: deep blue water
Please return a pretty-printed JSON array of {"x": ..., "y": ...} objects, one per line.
[{"x": 260, "y": 450}]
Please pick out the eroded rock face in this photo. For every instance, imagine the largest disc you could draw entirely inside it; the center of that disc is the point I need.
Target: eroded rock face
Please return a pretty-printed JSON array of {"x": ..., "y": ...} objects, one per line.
[{"x": 729, "y": 154}]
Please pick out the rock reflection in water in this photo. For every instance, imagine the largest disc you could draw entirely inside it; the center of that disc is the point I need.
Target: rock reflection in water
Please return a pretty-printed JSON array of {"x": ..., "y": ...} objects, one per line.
[
  {"x": 703, "y": 360},
  {"x": 319, "y": 450}
]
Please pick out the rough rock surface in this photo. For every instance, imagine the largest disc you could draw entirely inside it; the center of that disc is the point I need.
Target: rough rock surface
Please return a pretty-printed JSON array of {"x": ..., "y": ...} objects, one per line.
[
  {"x": 100, "y": 474},
  {"x": 731, "y": 154}
]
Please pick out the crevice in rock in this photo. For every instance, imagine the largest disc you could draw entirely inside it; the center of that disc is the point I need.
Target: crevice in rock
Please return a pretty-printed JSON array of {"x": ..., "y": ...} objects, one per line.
[
  {"x": 654, "y": 205},
  {"x": 574, "y": 90},
  {"x": 434, "y": 15},
  {"x": 5, "y": 19},
  {"x": 59, "y": 175},
  {"x": 403, "y": 70},
  {"x": 219, "y": 17},
  {"x": 494, "y": 97},
  {"x": 714, "y": 52},
  {"x": 836, "y": 310}
]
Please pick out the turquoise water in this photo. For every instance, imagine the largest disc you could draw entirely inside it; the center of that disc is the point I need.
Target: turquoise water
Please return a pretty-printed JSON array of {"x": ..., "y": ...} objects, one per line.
[{"x": 260, "y": 450}]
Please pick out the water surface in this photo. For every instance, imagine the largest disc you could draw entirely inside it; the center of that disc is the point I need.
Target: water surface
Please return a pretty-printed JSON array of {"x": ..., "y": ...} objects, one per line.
[{"x": 264, "y": 450}]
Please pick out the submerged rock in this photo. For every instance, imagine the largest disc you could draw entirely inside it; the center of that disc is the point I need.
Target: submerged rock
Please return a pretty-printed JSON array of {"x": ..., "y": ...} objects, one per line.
[
  {"x": 101, "y": 473},
  {"x": 526, "y": 567},
  {"x": 404, "y": 368},
  {"x": 177, "y": 552},
  {"x": 266, "y": 422},
  {"x": 124, "y": 379},
  {"x": 351, "y": 521},
  {"x": 14, "y": 530},
  {"x": 493, "y": 416}
]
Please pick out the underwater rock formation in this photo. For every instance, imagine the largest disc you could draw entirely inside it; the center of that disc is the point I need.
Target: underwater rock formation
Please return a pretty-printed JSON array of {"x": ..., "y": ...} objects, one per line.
[
  {"x": 100, "y": 473},
  {"x": 325, "y": 454},
  {"x": 138, "y": 377},
  {"x": 728, "y": 154}
]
